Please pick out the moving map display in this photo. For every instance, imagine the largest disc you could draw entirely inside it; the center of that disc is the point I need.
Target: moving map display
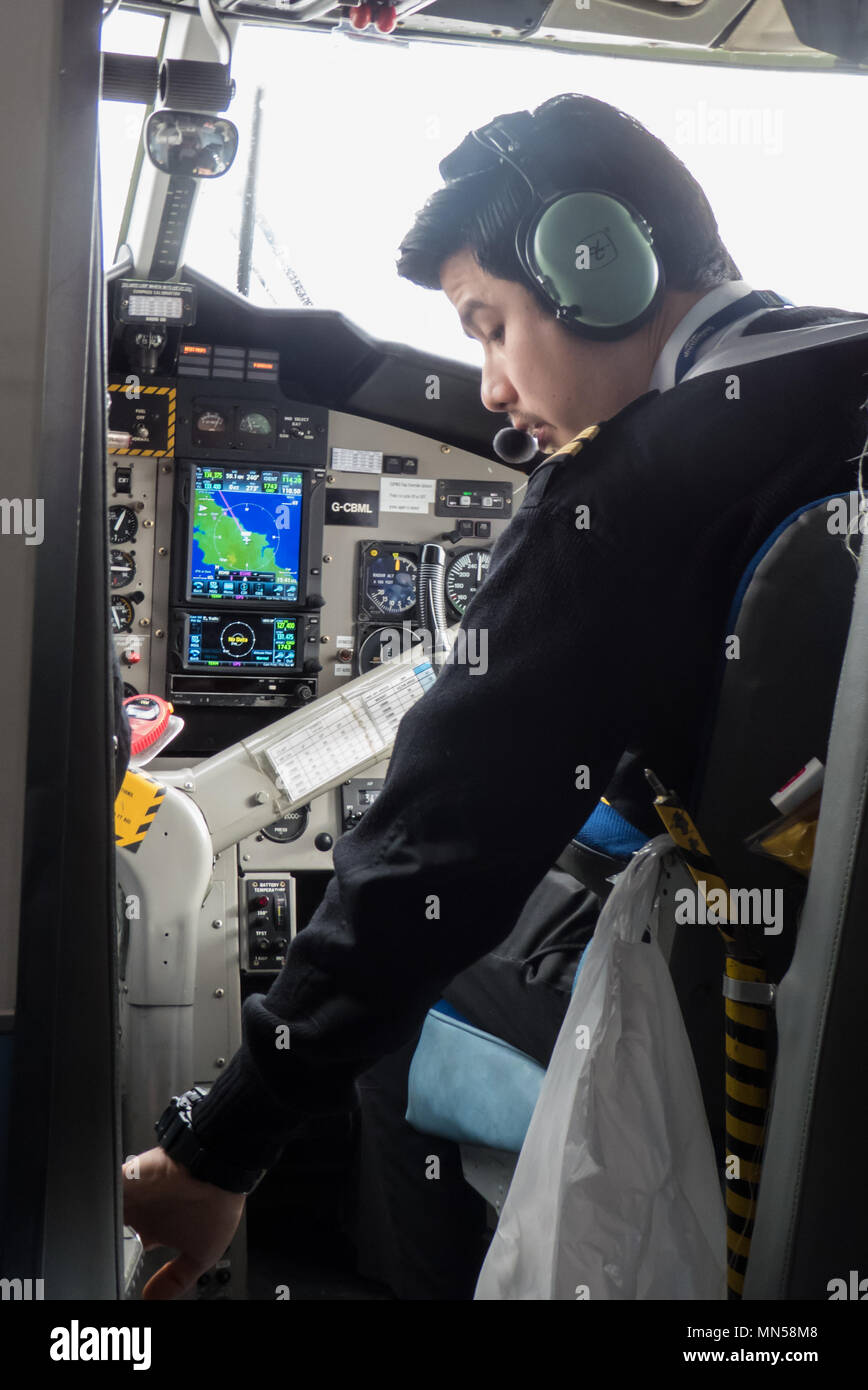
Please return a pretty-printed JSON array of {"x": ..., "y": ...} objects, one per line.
[{"x": 245, "y": 541}]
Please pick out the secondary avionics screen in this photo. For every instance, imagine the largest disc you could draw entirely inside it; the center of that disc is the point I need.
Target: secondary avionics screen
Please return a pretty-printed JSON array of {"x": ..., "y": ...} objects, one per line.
[
  {"x": 245, "y": 540},
  {"x": 218, "y": 639}
]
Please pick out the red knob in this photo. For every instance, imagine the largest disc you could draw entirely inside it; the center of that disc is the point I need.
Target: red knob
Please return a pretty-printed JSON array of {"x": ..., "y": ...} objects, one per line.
[
  {"x": 360, "y": 16},
  {"x": 386, "y": 19},
  {"x": 132, "y": 657}
]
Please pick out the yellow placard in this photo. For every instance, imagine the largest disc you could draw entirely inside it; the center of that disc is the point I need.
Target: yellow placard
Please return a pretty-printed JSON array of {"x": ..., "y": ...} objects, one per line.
[{"x": 137, "y": 803}]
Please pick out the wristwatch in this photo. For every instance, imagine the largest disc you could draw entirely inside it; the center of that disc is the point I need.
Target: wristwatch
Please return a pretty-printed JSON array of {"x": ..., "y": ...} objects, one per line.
[{"x": 176, "y": 1135}]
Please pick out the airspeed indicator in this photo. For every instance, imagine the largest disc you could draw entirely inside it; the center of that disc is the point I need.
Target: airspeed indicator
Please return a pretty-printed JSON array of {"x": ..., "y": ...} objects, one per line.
[{"x": 464, "y": 576}]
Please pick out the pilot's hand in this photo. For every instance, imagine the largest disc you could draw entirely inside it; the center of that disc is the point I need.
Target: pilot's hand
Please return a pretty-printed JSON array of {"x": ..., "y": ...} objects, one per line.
[{"x": 165, "y": 1205}]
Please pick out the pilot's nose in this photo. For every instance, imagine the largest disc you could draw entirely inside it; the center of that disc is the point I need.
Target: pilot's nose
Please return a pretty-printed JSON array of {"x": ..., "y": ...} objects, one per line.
[{"x": 497, "y": 391}]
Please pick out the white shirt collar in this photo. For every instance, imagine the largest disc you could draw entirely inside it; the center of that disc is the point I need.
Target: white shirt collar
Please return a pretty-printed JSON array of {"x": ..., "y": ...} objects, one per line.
[{"x": 663, "y": 375}]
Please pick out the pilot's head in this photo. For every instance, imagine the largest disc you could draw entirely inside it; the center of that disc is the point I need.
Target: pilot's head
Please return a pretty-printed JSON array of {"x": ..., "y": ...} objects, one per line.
[{"x": 539, "y": 369}]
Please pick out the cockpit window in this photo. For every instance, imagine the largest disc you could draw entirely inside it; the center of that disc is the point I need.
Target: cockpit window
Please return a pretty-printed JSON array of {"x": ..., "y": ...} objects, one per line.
[
  {"x": 351, "y": 130},
  {"x": 120, "y": 122}
]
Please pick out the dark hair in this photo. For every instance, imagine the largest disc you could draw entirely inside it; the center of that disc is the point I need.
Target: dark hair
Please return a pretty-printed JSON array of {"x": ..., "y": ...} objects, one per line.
[{"x": 584, "y": 142}]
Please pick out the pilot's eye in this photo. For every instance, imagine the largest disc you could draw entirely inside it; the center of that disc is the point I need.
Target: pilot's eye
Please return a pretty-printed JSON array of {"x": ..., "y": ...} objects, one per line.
[{"x": 496, "y": 336}]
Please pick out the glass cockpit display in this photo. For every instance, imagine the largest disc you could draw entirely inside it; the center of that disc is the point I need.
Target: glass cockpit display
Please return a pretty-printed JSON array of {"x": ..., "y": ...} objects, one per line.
[
  {"x": 246, "y": 529},
  {"x": 248, "y": 642}
]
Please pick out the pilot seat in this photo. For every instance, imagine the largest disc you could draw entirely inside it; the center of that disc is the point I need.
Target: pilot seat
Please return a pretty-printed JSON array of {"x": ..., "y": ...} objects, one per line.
[{"x": 773, "y": 712}]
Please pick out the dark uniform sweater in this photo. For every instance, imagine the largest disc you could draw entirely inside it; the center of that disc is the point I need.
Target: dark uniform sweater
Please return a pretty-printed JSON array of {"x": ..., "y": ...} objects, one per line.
[{"x": 601, "y": 638}]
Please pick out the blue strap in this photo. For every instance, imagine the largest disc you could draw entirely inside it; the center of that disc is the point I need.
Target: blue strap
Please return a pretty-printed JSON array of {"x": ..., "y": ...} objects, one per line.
[{"x": 610, "y": 833}]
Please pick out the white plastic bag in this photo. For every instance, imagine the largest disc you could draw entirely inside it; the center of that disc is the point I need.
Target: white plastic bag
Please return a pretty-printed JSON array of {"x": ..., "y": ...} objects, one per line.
[{"x": 616, "y": 1194}]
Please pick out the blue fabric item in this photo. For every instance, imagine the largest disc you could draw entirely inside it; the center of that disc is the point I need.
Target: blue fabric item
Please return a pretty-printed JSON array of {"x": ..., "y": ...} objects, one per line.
[
  {"x": 468, "y": 1086},
  {"x": 607, "y": 831}
]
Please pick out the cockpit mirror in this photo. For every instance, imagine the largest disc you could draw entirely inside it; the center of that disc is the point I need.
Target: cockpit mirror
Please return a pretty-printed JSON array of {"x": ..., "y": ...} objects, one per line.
[{"x": 191, "y": 143}]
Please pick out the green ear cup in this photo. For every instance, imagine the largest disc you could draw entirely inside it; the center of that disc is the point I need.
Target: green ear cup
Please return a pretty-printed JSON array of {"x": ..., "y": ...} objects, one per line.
[{"x": 593, "y": 256}]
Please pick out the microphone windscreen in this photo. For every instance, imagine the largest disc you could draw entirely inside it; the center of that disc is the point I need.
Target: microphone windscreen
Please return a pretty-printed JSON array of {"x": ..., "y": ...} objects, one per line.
[{"x": 515, "y": 447}]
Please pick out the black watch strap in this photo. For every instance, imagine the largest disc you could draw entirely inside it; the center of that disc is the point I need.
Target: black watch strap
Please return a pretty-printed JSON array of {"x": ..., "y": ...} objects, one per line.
[{"x": 175, "y": 1134}]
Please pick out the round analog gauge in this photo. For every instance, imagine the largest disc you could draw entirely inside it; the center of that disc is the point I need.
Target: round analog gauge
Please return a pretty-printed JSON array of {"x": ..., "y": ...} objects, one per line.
[
  {"x": 123, "y": 524},
  {"x": 122, "y": 614},
  {"x": 210, "y": 422},
  {"x": 254, "y": 422},
  {"x": 290, "y": 827},
  {"x": 391, "y": 581},
  {"x": 464, "y": 576},
  {"x": 237, "y": 640},
  {"x": 122, "y": 568},
  {"x": 383, "y": 644}
]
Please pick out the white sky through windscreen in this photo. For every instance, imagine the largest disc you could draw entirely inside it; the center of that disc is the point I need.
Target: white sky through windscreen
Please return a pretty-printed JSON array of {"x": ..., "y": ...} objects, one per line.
[{"x": 353, "y": 131}]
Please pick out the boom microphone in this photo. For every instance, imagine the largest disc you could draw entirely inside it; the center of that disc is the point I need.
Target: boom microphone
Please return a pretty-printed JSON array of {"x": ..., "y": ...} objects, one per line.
[{"x": 515, "y": 447}]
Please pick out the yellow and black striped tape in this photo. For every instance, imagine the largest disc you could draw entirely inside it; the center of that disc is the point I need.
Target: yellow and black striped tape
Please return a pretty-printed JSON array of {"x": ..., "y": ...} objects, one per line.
[
  {"x": 746, "y": 1058},
  {"x": 138, "y": 802},
  {"x": 170, "y": 431}
]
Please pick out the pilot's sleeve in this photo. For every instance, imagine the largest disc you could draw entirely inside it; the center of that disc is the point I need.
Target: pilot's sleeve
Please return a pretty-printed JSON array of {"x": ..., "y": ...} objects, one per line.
[{"x": 492, "y": 773}]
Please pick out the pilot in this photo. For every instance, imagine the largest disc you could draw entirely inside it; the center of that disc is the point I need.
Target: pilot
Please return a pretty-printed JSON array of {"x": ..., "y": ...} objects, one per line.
[{"x": 605, "y": 611}]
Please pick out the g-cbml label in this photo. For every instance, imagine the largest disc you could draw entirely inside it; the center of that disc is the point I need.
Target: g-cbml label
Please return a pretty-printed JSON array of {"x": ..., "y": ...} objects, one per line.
[{"x": 348, "y": 506}]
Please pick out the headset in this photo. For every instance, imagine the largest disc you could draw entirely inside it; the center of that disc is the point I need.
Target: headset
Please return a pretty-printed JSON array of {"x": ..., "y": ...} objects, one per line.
[{"x": 587, "y": 251}]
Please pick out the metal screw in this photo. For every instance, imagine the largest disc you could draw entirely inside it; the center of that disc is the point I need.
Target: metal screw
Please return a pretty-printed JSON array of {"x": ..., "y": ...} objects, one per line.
[
  {"x": 146, "y": 524},
  {"x": 144, "y": 622},
  {"x": 163, "y": 550},
  {"x": 327, "y": 559},
  {"x": 218, "y": 922},
  {"x": 220, "y": 1061},
  {"x": 158, "y": 632},
  {"x": 325, "y": 639},
  {"x": 260, "y": 798},
  {"x": 218, "y": 993},
  {"x": 188, "y": 786},
  {"x": 245, "y": 856},
  {"x": 445, "y": 449},
  {"x": 167, "y": 468}
]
